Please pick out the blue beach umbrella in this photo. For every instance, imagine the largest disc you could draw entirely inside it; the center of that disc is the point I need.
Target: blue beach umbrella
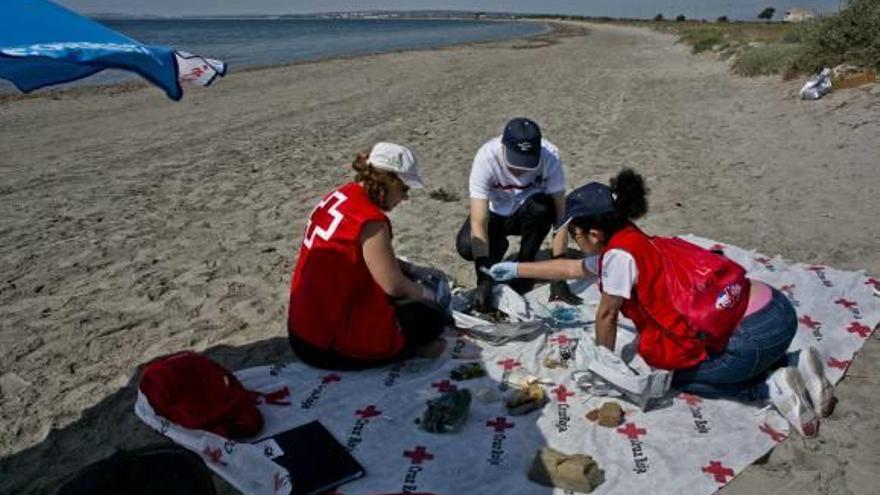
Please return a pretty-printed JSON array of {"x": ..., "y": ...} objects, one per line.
[{"x": 42, "y": 44}]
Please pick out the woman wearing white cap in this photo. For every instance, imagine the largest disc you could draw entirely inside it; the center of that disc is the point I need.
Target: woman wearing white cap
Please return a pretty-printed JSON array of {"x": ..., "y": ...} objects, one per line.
[{"x": 351, "y": 305}]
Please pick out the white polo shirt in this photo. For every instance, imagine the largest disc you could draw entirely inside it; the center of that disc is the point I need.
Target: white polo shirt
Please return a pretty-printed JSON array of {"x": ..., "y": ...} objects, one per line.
[{"x": 492, "y": 180}]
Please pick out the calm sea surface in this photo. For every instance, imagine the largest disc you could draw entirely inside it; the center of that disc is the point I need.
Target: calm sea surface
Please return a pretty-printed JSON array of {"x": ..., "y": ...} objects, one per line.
[
  {"x": 243, "y": 43},
  {"x": 255, "y": 42}
]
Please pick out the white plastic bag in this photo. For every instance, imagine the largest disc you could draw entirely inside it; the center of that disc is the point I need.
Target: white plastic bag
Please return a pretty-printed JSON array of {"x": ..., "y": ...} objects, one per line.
[
  {"x": 603, "y": 372},
  {"x": 818, "y": 85}
]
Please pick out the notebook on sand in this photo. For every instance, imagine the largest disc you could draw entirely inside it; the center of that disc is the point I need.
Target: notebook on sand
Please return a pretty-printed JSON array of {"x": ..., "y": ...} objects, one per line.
[{"x": 316, "y": 461}]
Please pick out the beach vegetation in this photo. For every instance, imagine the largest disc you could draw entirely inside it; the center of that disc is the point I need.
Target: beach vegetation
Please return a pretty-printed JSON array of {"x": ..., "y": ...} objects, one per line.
[
  {"x": 766, "y": 60},
  {"x": 852, "y": 36},
  {"x": 659, "y": 18},
  {"x": 790, "y": 49},
  {"x": 680, "y": 18},
  {"x": 722, "y": 19}
]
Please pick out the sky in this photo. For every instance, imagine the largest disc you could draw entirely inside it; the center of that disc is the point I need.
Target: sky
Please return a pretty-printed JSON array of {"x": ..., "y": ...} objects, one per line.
[{"x": 709, "y": 9}]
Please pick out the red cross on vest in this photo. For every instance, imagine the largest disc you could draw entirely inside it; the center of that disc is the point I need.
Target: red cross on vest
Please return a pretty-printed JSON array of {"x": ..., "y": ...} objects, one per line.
[
  {"x": 330, "y": 379},
  {"x": 418, "y": 455},
  {"x": 562, "y": 393},
  {"x": 862, "y": 330},
  {"x": 499, "y": 424},
  {"x": 560, "y": 340},
  {"x": 368, "y": 412},
  {"x": 444, "y": 386},
  {"x": 509, "y": 364},
  {"x": 874, "y": 282},
  {"x": 631, "y": 431},
  {"x": 777, "y": 436},
  {"x": 719, "y": 471}
]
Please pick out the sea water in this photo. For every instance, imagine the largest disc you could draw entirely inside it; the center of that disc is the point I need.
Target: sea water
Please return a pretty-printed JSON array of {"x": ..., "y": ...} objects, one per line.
[{"x": 260, "y": 42}]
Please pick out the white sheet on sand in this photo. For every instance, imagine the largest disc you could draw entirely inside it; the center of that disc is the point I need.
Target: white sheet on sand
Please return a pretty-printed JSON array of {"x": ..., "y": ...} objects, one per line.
[{"x": 683, "y": 445}]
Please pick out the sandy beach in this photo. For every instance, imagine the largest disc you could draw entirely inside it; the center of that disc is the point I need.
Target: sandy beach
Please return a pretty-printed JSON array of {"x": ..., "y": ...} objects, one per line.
[{"x": 132, "y": 226}]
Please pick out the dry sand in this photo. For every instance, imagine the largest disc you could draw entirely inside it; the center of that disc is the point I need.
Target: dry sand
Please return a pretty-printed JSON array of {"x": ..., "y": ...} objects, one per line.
[{"x": 132, "y": 226}]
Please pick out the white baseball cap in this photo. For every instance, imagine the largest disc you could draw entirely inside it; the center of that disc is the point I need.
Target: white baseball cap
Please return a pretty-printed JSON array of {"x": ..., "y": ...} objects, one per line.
[{"x": 398, "y": 159}]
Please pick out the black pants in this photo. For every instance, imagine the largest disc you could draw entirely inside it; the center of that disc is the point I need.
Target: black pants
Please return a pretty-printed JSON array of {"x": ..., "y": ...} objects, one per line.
[
  {"x": 420, "y": 322},
  {"x": 532, "y": 221}
]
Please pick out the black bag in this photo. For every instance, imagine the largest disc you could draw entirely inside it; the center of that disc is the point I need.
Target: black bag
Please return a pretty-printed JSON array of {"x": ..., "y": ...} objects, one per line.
[{"x": 153, "y": 470}]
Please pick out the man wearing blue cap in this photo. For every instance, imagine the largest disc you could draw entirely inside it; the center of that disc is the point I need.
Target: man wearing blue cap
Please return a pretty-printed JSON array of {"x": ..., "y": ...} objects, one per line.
[{"x": 517, "y": 187}]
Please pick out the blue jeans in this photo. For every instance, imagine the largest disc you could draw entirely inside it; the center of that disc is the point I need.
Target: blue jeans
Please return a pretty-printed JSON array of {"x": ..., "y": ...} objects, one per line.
[{"x": 756, "y": 347}]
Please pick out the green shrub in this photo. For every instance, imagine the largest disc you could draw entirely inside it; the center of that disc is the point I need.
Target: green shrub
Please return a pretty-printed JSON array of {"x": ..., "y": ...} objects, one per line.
[
  {"x": 765, "y": 60},
  {"x": 702, "y": 39},
  {"x": 852, "y": 36}
]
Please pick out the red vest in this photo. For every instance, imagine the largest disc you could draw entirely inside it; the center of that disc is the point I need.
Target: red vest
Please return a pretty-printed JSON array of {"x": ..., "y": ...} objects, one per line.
[
  {"x": 334, "y": 301},
  {"x": 665, "y": 339}
]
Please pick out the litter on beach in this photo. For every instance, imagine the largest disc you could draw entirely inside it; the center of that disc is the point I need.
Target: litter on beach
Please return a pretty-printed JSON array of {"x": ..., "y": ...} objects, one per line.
[{"x": 817, "y": 86}]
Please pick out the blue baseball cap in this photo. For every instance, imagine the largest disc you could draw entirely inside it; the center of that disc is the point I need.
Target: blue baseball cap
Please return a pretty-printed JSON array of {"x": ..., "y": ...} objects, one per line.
[
  {"x": 522, "y": 143},
  {"x": 587, "y": 201}
]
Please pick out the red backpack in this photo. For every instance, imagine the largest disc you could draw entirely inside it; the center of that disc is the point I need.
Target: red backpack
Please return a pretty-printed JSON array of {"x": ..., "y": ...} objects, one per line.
[
  {"x": 708, "y": 289},
  {"x": 195, "y": 392}
]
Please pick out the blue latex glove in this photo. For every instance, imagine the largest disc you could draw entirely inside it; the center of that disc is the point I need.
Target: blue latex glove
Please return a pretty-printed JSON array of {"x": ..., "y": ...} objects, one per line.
[{"x": 506, "y": 270}]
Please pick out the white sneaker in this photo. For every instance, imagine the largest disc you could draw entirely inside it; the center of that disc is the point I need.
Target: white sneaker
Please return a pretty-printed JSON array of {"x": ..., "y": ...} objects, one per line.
[
  {"x": 789, "y": 397},
  {"x": 818, "y": 387}
]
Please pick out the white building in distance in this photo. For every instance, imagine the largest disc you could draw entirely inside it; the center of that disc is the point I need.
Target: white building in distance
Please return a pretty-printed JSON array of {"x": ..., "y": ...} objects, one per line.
[{"x": 796, "y": 14}]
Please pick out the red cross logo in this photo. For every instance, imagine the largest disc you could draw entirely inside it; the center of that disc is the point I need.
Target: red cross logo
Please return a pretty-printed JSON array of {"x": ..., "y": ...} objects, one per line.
[
  {"x": 762, "y": 260},
  {"x": 816, "y": 268},
  {"x": 418, "y": 455},
  {"x": 327, "y": 214},
  {"x": 862, "y": 330},
  {"x": 509, "y": 364},
  {"x": 810, "y": 323},
  {"x": 214, "y": 455},
  {"x": 874, "y": 282},
  {"x": 716, "y": 469},
  {"x": 777, "y": 436},
  {"x": 330, "y": 379},
  {"x": 692, "y": 400},
  {"x": 560, "y": 340},
  {"x": 834, "y": 363},
  {"x": 631, "y": 431},
  {"x": 368, "y": 412},
  {"x": 444, "y": 386},
  {"x": 276, "y": 398},
  {"x": 499, "y": 424},
  {"x": 562, "y": 393},
  {"x": 846, "y": 303}
]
